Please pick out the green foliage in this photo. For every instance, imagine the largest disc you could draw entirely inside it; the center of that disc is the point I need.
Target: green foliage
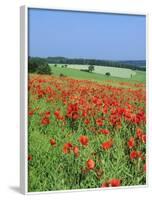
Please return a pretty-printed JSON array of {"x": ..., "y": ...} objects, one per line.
[
  {"x": 91, "y": 68},
  {"x": 44, "y": 69},
  {"x": 39, "y": 66},
  {"x": 107, "y": 74},
  {"x": 62, "y": 75}
]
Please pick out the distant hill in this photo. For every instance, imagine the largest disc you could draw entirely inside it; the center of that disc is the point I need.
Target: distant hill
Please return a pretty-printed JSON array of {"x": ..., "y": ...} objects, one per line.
[
  {"x": 138, "y": 63},
  {"x": 129, "y": 64}
]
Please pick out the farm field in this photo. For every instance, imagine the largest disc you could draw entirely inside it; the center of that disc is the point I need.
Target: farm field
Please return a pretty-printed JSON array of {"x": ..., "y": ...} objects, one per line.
[
  {"x": 86, "y": 130},
  {"x": 139, "y": 77},
  {"x": 115, "y": 72}
]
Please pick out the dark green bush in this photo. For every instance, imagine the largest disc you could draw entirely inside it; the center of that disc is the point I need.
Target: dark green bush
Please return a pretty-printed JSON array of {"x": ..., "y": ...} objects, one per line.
[
  {"x": 62, "y": 75},
  {"x": 44, "y": 69},
  {"x": 107, "y": 74},
  {"x": 38, "y": 65},
  {"x": 91, "y": 68}
]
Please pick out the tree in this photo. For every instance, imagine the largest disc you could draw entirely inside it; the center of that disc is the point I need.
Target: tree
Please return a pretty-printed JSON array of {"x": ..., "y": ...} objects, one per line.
[
  {"x": 91, "y": 68},
  {"x": 62, "y": 75},
  {"x": 38, "y": 65},
  {"x": 32, "y": 65},
  {"x": 107, "y": 74},
  {"x": 44, "y": 69}
]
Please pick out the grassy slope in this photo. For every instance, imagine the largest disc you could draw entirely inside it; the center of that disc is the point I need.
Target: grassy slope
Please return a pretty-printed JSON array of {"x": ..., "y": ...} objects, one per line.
[
  {"x": 75, "y": 73},
  {"x": 114, "y": 71}
]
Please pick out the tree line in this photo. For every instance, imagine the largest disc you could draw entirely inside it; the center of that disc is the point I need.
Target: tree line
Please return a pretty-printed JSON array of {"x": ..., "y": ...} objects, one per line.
[
  {"x": 41, "y": 65},
  {"x": 83, "y": 61}
]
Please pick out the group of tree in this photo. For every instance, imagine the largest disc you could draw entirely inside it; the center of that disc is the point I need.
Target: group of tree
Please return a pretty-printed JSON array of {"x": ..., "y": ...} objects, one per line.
[
  {"x": 62, "y": 66},
  {"x": 41, "y": 65},
  {"x": 38, "y": 65}
]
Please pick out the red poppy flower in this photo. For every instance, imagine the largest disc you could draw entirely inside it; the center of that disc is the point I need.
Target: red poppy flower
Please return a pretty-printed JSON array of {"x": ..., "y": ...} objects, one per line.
[
  {"x": 83, "y": 140},
  {"x": 57, "y": 113},
  {"x": 139, "y": 133},
  {"x": 87, "y": 121},
  {"x": 84, "y": 113},
  {"x": 115, "y": 182},
  {"x": 145, "y": 167},
  {"x": 97, "y": 101},
  {"x": 52, "y": 142},
  {"x": 99, "y": 122},
  {"x": 104, "y": 131},
  {"x": 45, "y": 121},
  {"x": 131, "y": 143},
  {"x": 75, "y": 116},
  {"x": 112, "y": 183},
  {"x": 47, "y": 114},
  {"x": 143, "y": 138},
  {"x": 107, "y": 145},
  {"x": 105, "y": 184},
  {"x": 29, "y": 157},
  {"x": 67, "y": 148},
  {"x": 76, "y": 151},
  {"x": 31, "y": 113},
  {"x": 135, "y": 154},
  {"x": 72, "y": 111},
  {"x": 90, "y": 164}
]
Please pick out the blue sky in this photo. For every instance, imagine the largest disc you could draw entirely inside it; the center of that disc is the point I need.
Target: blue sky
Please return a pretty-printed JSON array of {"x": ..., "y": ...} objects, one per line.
[{"x": 86, "y": 35}]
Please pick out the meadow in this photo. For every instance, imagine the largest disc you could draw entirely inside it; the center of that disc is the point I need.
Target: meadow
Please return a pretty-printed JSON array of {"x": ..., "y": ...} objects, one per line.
[
  {"x": 86, "y": 130},
  {"x": 138, "y": 77},
  {"x": 101, "y": 70}
]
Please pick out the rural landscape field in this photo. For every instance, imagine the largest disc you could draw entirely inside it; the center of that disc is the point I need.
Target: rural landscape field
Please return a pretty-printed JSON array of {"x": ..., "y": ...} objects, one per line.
[
  {"x": 86, "y": 100},
  {"x": 85, "y": 133}
]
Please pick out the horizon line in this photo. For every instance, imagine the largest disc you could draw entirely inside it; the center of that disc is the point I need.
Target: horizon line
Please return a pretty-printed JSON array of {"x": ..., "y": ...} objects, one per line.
[{"x": 88, "y": 58}]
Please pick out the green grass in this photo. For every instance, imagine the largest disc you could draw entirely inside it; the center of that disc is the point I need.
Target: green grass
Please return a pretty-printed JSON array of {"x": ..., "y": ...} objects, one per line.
[
  {"x": 114, "y": 71},
  {"x": 75, "y": 73},
  {"x": 140, "y": 76}
]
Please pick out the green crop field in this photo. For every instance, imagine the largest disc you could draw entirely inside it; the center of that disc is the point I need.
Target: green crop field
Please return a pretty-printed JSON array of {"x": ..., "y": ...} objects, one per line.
[
  {"x": 114, "y": 71},
  {"x": 139, "y": 76}
]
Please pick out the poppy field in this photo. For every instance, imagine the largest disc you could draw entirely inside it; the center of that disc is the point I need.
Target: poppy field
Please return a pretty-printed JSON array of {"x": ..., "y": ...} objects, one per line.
[{"x": 85, "y": 134}]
